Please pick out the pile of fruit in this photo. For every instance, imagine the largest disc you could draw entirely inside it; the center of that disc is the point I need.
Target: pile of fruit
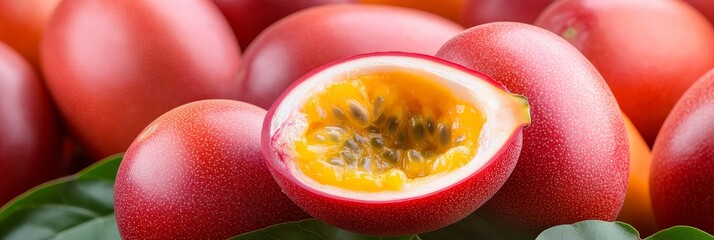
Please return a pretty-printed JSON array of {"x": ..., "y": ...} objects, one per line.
[{"x": 356, "y": 119}]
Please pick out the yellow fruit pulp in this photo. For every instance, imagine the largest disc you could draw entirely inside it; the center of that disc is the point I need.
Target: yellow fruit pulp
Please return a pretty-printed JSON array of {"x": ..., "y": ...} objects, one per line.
[{"x": 378, "y": 132}]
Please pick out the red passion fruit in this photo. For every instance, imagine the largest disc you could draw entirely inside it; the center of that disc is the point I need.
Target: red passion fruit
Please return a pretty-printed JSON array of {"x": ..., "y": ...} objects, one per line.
[
  {"x": 22, "y": 24},
  {"x": 574, "y": 163},
  {"x": 477, "y": 12},
  {"x": 706, "y": 7},
  {"x": 683, "y": 161},
  {"x": 649, "y": 52},
  {"x": 29, "y": 133},
  {"x": 376, "y": 142},
  {"x": 113, "y": 66},
  {"x": 197, "y": 172},
  {"x": 314, "y": 37}
]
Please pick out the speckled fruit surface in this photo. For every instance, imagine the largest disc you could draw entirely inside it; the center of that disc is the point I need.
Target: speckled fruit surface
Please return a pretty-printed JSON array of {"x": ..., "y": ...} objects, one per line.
[
  {"x": 418, "y": 204},
  {"x": 683, "y": 161},
  {"x": 197, "y": 172},
  {"x": 114, "y": 66},
  {"x": 29, "y": 135},
  {"x": 649, "y": 52},
  {"x": 574, "y": 162},
  {"x": 309, "y": 39}
]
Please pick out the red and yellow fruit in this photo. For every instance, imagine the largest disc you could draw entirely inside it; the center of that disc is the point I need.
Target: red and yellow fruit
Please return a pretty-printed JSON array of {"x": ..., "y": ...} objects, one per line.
[
  {"x": 114, "y": 66},
  {"x": 574, "y": 162},
  {"x": 312, "y": 38},
  {"x": 649, "y": 52},
  {"x": 683, "y": 161},
  {"x": 29, "y": 135},
  {"x": 374, "y": 142},
  {"x": 197, "y": 172}
]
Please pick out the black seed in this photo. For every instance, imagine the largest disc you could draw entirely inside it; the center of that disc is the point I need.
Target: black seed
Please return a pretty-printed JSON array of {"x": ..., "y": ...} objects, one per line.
[
  {"x": 377, "y": 143},
  {"x": 338, "y": 113},
  {"x": 351, "y": 144},
  {"x": 417, "y": 130},
  {"x": 430, "y": 126},
  {"x": 390, "y": 155},
  {"x": 348, "y": 156},
  {"x": 336, "y": 162},
  {"x": 402, "y": 139},
  {"x": 360, "y": 139},
  {"x": 358, "y": 112},
  {"x": 392, "y": 124},
  {"x": 415, "y": 156},
  {"x": 444, "y": 134}
]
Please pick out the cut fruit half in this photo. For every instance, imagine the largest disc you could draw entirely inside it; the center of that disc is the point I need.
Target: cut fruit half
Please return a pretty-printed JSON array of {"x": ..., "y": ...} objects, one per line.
[{"x": 393, "y": 143}]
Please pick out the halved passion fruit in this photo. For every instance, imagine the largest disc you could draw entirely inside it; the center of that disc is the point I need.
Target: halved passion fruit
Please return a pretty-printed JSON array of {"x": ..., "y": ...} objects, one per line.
[{"x": 393, "y": 143}]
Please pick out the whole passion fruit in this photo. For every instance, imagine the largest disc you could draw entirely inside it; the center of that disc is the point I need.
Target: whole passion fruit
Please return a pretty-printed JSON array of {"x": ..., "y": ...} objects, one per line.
[
  {"x": 317, "y": 36},
  {"x": 574, "y": 165},
  {"x": 393, "y": 143},
  {"x": 197, "y": 172},
  {"x": 683, "y": 161}
]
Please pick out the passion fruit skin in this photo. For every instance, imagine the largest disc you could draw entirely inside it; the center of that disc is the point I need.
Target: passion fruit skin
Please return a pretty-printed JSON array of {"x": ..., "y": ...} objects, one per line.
[
  {"x": 477, "y": 12},
  {"x": 683, "y": 161},
  {"x": 131, "y": 62},
  {"x": 197, "y": 172},
  {"x": 30, "y": 142},
  {"x": 706, "y": 7},
  {"x": 649, "y": 52},
  {"x": 574, "y": 162},
  {"x": 395, "y": 217},
  {"x": 250, "y": 17},
  {"x": 317, "y": 36}
]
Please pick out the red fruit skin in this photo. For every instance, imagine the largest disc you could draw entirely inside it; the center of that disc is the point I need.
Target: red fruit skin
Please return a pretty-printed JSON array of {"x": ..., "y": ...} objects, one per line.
[
  {"x": 441, "y": 208},
  {"x": 477, "y": 12},
  {"x": 706, "y": 7},
  {"x": 649, "y": 52},
  {"x": 30, "y": 142},
  {"x": 309, "y": 39},
  {"x": 575, "y": 161},
  {"x": 197, "y": 172},
  {"x": 683, "y": 161},
  {"x": 114, "y": 66},
  {"x": 250, "y": 17}
]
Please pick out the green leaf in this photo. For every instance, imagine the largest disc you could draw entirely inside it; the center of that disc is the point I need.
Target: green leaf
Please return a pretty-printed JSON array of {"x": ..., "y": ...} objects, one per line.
[
  {"x": 590, "y": 230},
  {"x": 311, "y": 229},
  {"x": 680, "y": 233},
  {"x": 476, "y": 226},
  {"x": 75, "y": 207}
]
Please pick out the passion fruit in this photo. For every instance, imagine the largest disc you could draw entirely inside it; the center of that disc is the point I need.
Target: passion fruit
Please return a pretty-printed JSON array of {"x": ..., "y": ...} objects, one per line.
[
  {"x": 197, "y": 172},
  {"x": 574, "y": 164},
  {"x": 683, "y": 161},
  {"x": 378, "y": 142}
]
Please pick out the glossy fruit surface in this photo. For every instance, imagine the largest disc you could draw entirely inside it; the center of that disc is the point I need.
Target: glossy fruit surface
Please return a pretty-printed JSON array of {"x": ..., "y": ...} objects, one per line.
[
  {"x": 114, "y": 66},
  {"x": 373, "y": 142},
  {"x": 477, "y": 12},
  {"x": 450, "y": 9},
  {"x": 683, "y": 161},
  {"x": 250, "y": 17},
  {"x": 22, "y": 24},
  {"x": 706, "y": 7},
  {"x": 29, "y": 142},
  {"x": 637, "y": 209},
  {"x": 649, "y": 52},
  {"x": 574, "y": 163},
  {"x": 312, "y": 38},
  {"x": 197, "y": 172}
]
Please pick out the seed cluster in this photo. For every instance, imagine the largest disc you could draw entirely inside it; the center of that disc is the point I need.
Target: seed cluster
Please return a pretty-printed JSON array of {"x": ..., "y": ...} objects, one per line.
[{"x": 379, "y": 133}]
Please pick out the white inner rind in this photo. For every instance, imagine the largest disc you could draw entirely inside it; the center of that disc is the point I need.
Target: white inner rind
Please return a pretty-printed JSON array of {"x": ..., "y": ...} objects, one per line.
[{"x": 495, "y": 105}]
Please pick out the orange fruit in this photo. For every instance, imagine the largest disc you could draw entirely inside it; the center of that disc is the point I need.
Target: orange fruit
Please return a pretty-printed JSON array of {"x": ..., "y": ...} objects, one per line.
[{"x": 637, "y": 210}]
